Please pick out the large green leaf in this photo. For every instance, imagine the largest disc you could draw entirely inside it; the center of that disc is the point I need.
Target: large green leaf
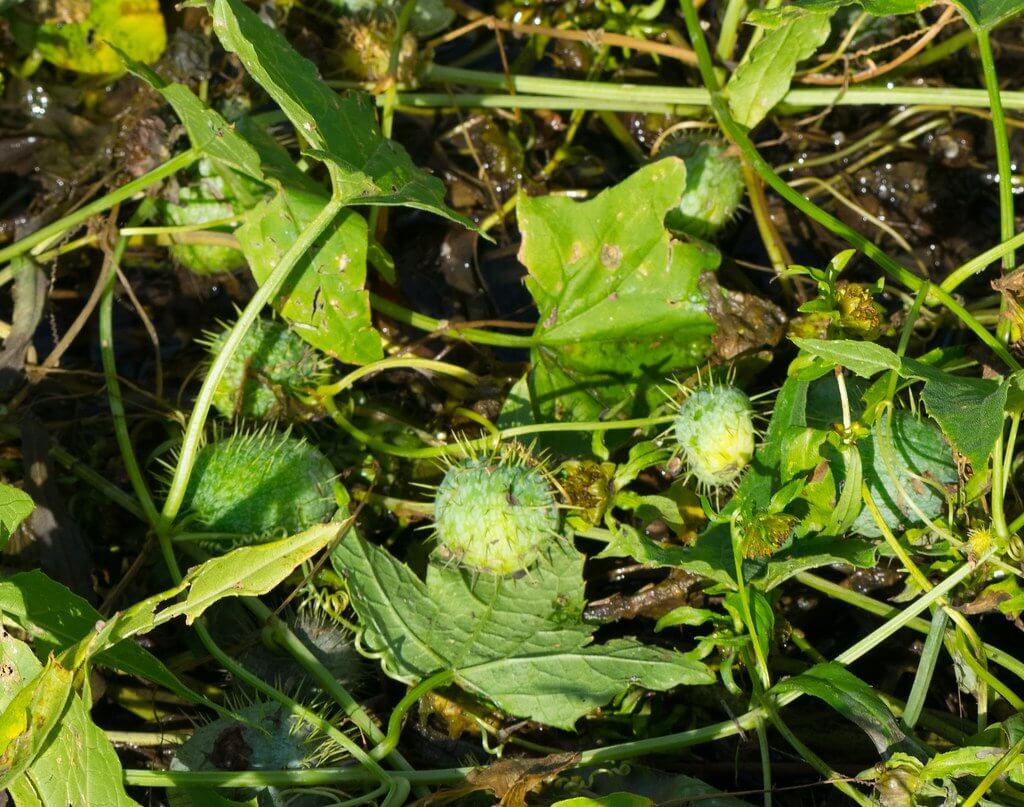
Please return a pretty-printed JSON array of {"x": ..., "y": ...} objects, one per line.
[
  {"x": 57, "y": 618},
  {"x": 763, "y": 78},
  {"x": 521, "y": 643},
  {"x": 78, "y": 766},
  {"x": 620, "y": 303},
  {"x": 324, "y": 297},
  {"x": 343, "y": 130},
  {"x": 15, "y": 507}
]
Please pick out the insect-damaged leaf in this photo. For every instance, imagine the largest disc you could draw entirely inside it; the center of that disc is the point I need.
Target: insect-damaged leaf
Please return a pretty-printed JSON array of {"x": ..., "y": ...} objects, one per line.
[
  {"x": 520, "y": 643},
  {"x": 620, "y": 303},
  {"x": 324, "y": 297}
]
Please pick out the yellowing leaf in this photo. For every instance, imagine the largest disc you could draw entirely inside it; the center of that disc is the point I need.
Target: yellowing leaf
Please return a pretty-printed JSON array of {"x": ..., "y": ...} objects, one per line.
[{"x": 134, "y": 26}]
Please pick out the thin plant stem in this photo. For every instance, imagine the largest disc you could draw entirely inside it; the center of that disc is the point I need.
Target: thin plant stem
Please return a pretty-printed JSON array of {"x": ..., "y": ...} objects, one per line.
[
  {"x": 1002, "y": 142},
  {"x": 814, "y": 760},
  {"x": 980, "y": 263},
  {"x": 862, "y": 601},
  {"x": 737, "y": 134},
  {"x": 263, "y": 295},
  {"x": 101, "y": 205},
  {"x": 449, "y": 330}
]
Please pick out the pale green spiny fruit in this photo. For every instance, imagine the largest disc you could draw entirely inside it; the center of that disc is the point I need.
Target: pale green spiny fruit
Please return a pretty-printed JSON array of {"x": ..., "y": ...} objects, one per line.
[
  {"x": 714, "y": 428},
  {"x": 495, "y": 514}
]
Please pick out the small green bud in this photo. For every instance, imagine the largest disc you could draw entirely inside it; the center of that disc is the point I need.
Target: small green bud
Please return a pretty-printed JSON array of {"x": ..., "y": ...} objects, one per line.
[{"x": 495, "y": 514}]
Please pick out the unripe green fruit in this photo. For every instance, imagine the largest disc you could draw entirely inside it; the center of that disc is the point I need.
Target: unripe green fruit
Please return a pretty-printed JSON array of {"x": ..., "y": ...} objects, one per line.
[
  {"x": 260, "y": 485},
  {"x": 196, "y": 207},
  {"x": 715, "y": 430},
  {"x": 918, "y": 447},
  {"x": 494, "y": 514},
  {"x": 714, "y": 186},
  {"x": 269, "y": 366}
]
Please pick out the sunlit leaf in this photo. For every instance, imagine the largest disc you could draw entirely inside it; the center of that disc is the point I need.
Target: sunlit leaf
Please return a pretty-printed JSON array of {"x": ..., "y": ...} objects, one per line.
[
  {"x": 134, "y": 26},
  {"x": 620, "y": 302},
  {"x": 324, "y": 298},
  {"x": 763, "y": 78},
  {"x": 77, "y": 766}
]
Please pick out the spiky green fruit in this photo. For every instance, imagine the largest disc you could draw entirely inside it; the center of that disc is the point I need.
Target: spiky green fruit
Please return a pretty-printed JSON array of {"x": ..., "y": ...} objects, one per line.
[
  {"x": 917, "y": 448},
  {"x": 260, "y": 484},
  {"x": 715, "y": 430},
  {"x": 494, "y": 514},
  {"x": 714, "y": 186},
  {"x": 270, "y": 739},
  {"x": 270, "y": 365}
]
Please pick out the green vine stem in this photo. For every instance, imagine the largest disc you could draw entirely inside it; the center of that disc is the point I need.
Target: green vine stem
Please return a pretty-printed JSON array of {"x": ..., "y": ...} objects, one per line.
[
  {"x": 265, "y": 293},
  {"x": 738, "y": 135},
  {"x": 449, "y": 330},
  {"x": 980, "y": 262},
  {"x": 627, "y": 97},
  {"x": 101, "y": 205},
  {"x": 988, "y": 67},
  {"x": 388, "y": 744},
  {"x": 596, "y": 756}
]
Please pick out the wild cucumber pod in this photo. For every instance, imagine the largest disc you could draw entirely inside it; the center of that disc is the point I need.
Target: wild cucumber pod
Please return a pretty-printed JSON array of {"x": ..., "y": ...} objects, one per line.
[
  {"x": 715, "y": 430},
  {"x": 714, "y": 186},
  {"x": 494, "y": 514},
  {"x": 260, "y": 484},
  {"x": 270, "y": 365}
]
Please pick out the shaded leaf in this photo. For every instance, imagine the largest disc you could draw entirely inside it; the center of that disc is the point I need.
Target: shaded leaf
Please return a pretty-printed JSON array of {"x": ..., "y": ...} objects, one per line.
[
  {"x": 520, "y": 643},
  {"x": 854, "y": 700},
  {"x": 15, "y": 507},
  {"x": 324, "y": 298},
  {"x": 968, "y": 410},
  {"x": 763, "y": 78}
]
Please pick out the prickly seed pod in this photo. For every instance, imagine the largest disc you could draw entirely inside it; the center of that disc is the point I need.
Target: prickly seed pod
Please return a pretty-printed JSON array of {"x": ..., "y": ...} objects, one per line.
[
  {"x": 270, "y": 365},
  {"x": 273, "y": 740},
  {"x": 715, "y": 431},
  {"x": 714, "y": 185},
  {"x": 332, "y": 644},
  {"x": 917, "y": 449},
  {"x": 494, "y": 514},
  {"x": 260, "y": 484}
]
